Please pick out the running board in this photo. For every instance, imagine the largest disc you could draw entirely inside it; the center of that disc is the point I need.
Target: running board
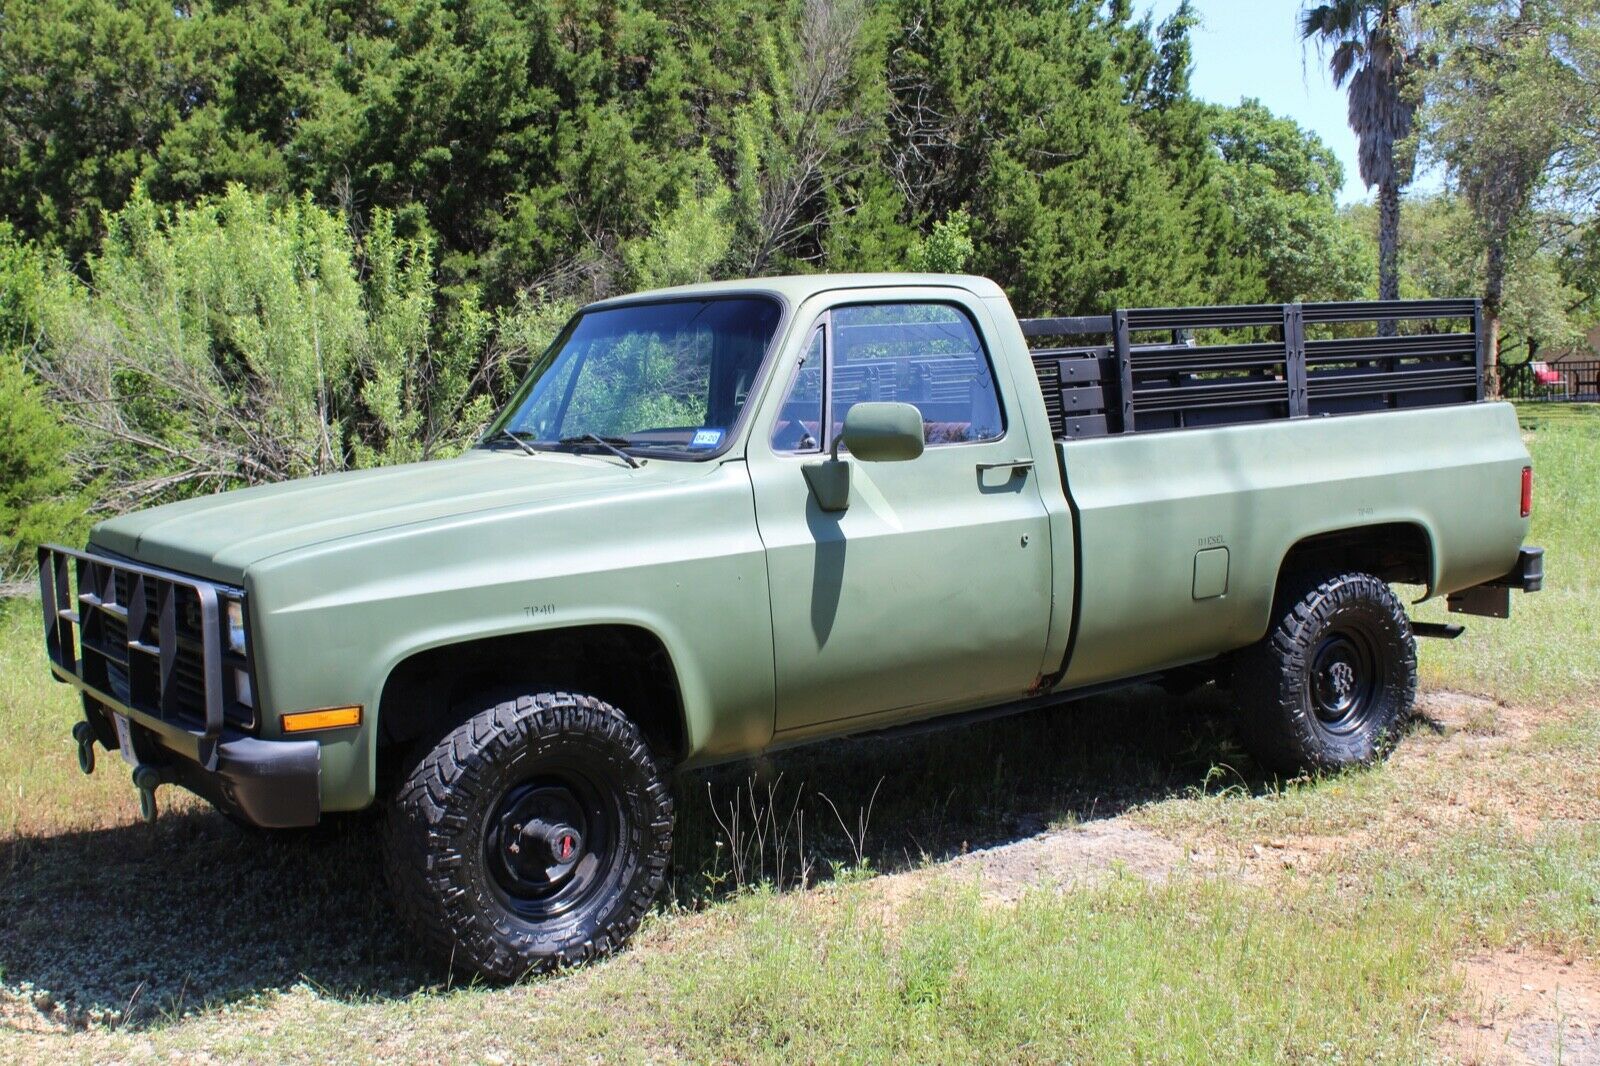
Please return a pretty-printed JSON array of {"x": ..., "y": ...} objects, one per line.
[{"x": 1439, "y": 630}]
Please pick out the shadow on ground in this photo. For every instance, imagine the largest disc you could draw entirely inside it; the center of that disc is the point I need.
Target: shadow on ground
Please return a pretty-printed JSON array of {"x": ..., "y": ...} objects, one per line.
[{"x": 137, "y": 923}]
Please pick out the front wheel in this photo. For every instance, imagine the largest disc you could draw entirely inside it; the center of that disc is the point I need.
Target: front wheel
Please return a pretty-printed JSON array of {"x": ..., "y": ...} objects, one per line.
[
  {"x": 1332, "y": 682},
  {"x": 534, "y": 835}
]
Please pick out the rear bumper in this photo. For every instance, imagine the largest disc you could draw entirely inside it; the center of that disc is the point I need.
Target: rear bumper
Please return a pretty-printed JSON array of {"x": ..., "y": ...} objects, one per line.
[
  {"x": 1492, "y": 599},
  {"x": 1527, "y": 575}
]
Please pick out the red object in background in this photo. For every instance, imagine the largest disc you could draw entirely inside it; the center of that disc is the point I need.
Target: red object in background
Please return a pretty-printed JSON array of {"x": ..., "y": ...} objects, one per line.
[
  {"x": 1527, "y": 491},
  {"x": 1545, "y": 375}
]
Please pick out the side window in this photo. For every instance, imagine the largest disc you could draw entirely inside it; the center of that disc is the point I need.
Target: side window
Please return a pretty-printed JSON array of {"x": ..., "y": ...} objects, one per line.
[
  {"x": 924, "y": 354},
  {"x": 799, "y": 422}
]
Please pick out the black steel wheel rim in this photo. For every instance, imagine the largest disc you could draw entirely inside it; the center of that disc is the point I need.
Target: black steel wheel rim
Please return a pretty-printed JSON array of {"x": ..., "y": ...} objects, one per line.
[
  {"x": 551, "y": 844},
  {"x": 1345, "y": 682}
]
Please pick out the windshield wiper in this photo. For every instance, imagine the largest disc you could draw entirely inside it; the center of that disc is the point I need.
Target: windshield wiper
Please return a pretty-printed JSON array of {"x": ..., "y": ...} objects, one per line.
[
  {"x": 610, "y": 444},
  {"x": 514, "y": 437}
]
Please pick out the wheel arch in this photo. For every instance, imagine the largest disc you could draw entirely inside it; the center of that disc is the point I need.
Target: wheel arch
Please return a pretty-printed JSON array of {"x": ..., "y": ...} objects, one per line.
[
  {"x": 428, "y": 691},
  {"x": 1399, "y": 552}
]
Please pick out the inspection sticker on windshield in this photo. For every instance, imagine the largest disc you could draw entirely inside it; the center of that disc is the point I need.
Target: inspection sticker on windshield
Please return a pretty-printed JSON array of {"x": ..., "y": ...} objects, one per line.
[{"x": 706, "y": 438}]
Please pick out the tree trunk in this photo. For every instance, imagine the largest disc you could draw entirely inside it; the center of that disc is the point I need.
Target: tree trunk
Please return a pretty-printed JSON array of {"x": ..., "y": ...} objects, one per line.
[
  {"x": 1494, "y": 283},
  {"x": 1388, "y": 249}
]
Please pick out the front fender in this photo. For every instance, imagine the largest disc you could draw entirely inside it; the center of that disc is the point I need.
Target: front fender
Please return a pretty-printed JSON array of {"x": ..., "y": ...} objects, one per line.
[{"x": 681, "y": 560}]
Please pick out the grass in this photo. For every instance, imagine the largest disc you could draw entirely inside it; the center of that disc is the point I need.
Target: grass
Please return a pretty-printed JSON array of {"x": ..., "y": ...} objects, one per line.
[
  {"x": 1127, "y": 973},
  {"x": 1317, "y": 920},
  {"x": 39, "y": 794},
  {"x": 1546, "y": 651}
]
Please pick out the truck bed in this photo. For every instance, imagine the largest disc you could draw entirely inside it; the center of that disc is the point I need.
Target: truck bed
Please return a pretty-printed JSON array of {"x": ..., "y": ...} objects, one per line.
[
  {"x": 1316, "y": 424},
  {"x": 1151, "y": 509}
]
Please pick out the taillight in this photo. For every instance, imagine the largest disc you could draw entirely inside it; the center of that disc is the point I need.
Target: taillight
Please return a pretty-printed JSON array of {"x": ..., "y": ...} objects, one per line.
[{"x": 1527, "y": 491}]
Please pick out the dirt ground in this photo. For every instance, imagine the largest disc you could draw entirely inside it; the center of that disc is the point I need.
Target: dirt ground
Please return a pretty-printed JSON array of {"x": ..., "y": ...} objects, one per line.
[{"x": 1527, "y": 1008}]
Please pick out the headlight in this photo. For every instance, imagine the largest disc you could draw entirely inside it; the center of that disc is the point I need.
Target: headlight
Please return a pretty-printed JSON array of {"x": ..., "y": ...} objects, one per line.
[{"x": 236, "y": 626}]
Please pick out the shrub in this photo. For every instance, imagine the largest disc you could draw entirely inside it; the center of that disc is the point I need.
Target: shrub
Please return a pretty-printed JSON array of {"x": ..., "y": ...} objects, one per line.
[
  {"x": 244, "y": 340},
  {"x": 39, "y": 497}
]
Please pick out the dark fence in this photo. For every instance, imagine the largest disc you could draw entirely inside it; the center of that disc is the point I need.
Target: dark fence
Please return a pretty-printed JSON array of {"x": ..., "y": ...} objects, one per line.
[{"x": 1570, "y": 380}]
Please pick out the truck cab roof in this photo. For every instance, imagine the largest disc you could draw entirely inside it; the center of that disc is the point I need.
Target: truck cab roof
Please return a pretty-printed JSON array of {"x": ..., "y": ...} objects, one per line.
[{"x": 794, "y": 289}]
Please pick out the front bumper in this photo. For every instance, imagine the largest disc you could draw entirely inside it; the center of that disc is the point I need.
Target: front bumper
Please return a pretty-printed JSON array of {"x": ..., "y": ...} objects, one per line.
[
  {"x": 116, "y": 630},
  {"x": 274, "y": 784}
]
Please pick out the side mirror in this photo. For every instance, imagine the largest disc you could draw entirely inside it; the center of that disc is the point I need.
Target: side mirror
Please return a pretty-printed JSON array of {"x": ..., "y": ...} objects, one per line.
[
  {"x": 874, "y": 433},
  {"x": 881, "y": 432}
]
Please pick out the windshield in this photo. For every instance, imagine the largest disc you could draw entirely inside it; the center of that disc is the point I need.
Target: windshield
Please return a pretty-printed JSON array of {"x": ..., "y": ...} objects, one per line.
[{"x": 671, "y": 376}]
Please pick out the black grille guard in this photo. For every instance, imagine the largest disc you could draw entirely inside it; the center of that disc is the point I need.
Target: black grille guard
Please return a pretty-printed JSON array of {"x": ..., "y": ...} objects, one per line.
[{"x": 74, "y": 658}]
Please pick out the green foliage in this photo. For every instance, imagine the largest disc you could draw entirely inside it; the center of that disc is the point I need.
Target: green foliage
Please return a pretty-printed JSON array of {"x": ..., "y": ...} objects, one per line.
[
  {"x": 1544, "y": 307},
  {"x": 240, "y": 341},
  {"x": 213, "y": 344},
  {"x": 1513, "y": 117},
  {"x": 289, "y": 236},
  {"x": 1279, "y": 181},
  {"x": 565, "y": 147},
  {"x": 1372, "y": 52},
  {"x": 88, "y": 91},
  {"x": 418, "y": 368},
  {"x": 40, "y": 498},
  {"x": 947, "y": 249},
  {"x": 1023, "y": 114},
  {"x": 686, "y": 244},
  {"x": 805, "y": 121}
]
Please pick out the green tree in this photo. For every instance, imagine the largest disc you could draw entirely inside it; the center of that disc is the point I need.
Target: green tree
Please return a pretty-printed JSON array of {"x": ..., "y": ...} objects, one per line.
[
  {"x": 1372, "y": 48},
  {"x": 1442, "y": 257},
  {"x": 1157, "y": 62},
  {"x": 40, "y": 499},
  {"x": 1280, "y": 182},
  {"x": 88, "y": 90},
  {"x": 1019, "y": 113},
  {"x": 685, "y": 245},
  {"x": 1512, "y": 115},
  {"x": 816, "y": 102}
]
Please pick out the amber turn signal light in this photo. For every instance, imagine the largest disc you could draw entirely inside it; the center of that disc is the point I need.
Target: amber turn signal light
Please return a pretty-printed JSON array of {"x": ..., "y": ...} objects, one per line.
[{"x": 327, "y": 718}]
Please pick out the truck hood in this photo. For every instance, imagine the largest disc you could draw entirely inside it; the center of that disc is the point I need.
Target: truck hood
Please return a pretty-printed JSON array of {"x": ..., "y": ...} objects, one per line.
[{"x": 219, "y": 537}]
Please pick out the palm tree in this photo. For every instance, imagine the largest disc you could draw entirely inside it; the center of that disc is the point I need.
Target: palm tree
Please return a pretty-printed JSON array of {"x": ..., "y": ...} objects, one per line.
[{"x": 1373, "y": 49}]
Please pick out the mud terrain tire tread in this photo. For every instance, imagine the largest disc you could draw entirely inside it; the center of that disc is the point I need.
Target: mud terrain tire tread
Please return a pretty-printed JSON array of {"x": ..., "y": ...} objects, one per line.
[
  {"x": 433, "y": 854},
  {"x": 1271, "y": 679}
]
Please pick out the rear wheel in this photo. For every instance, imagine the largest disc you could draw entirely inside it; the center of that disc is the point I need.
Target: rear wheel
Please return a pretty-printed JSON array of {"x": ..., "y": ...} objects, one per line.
[
  {"x": 1333, "y": 681},
  {"x": 535, "y": 834}
]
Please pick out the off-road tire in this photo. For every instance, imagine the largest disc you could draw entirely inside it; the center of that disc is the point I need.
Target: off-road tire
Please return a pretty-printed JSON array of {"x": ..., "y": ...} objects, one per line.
[
  {"x": 1332, "y": 683},
  {"x": 446, "y": 854}
]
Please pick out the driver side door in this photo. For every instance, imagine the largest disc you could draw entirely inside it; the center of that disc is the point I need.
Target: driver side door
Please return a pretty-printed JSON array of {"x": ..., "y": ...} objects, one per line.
[{"x": 931, "y": 591}]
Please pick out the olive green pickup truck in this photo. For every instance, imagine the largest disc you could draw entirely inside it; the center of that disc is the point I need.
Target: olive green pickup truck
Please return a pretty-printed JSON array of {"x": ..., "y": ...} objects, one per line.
[{"x": 723, "y": 518}]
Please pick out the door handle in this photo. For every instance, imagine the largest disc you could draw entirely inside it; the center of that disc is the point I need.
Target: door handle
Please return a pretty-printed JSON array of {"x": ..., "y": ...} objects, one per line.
[{"x": 1018, "y": 467}]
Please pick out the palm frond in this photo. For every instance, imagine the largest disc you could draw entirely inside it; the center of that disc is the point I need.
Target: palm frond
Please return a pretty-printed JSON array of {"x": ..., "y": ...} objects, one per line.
[{"x": 1344, "y": 59}]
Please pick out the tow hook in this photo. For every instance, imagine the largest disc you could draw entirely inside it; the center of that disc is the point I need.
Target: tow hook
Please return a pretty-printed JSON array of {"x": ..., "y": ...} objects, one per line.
[
  {"x": 83, "y": 733},
  {"x": 145, "y": 779}
]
